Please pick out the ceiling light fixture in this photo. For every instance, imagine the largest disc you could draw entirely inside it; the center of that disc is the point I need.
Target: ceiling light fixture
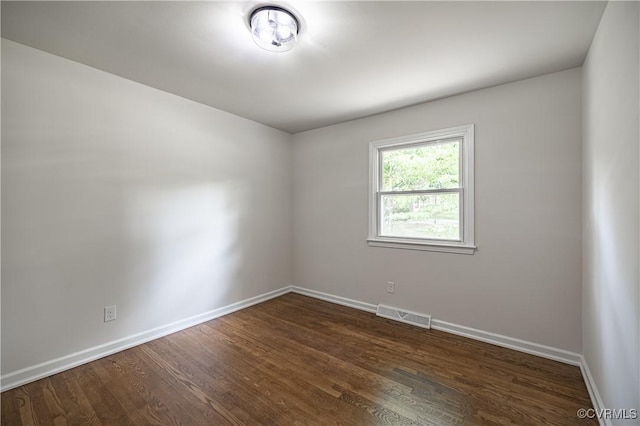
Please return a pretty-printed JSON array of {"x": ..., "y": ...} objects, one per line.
[{"x": 274, "y": 28}]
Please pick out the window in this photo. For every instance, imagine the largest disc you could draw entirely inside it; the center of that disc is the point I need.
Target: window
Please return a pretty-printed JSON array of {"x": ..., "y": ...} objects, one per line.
[{"x": 421, "y": 191}]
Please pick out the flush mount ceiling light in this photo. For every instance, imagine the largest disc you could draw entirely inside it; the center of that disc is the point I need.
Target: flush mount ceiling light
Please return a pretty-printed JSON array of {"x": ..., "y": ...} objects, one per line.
[{"x": 274, "y": 28}]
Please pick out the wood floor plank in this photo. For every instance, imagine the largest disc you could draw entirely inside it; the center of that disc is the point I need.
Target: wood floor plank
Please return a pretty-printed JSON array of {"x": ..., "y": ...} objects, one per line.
[
  {"x": 140, "y": 403},
  {"x": 57, "y": 411},
  {"x": 402, "y": 333},
  {"x": 189, "y": 383},
  {"x": 10, "y": 413},
  {"x": 244, "y": 382},
  {"x": 508, "y": 385},
  {"x": 163, "y": 385},
  {"x": 26, "y": 407},
  {"x": 72, "y": 400},
  {"x": 213, "y": 368},
  {"x": 355, "y": 357},
  {"x": 89, "y": 389},
  {"x": 38, "y": 411},
  {"x": 295, "y": 360},
  {"x": 340, "y": 374},
  {"x": 273, "y": 382},
  {"x": 302, "y": 376}
]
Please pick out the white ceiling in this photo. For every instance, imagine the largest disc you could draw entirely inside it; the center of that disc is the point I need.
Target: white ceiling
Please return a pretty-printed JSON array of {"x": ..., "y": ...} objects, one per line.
[{"x": 353, "y": 58}]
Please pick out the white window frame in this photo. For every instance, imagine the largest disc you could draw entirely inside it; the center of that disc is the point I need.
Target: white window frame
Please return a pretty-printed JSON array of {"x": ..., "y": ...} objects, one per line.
[{"x": 466, "y": 245}]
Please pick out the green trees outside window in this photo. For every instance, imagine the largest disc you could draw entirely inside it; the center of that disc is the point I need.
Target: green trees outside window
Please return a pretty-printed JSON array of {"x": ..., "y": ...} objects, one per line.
[{"x": 421, "y": 191}]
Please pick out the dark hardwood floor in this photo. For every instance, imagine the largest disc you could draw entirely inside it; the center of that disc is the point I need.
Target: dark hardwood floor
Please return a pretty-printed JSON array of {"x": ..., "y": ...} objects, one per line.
[{"x": 296, "y": 360}]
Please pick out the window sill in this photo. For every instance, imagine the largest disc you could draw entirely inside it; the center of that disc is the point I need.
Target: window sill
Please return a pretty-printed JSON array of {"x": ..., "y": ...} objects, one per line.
[{"x": 415, "y": 245}]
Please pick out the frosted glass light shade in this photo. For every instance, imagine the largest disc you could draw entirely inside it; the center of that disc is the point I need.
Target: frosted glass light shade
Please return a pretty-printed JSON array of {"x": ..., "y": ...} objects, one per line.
[{"x": 274, "y": 29}]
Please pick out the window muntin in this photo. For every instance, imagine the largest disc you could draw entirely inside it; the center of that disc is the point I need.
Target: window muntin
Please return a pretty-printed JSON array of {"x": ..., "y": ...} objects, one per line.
[{"x": 422, "y": 191}]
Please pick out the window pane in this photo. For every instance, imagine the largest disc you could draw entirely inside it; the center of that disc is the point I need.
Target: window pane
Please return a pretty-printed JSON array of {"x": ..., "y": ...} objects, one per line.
[
  {"x": 433, "y": 216},
  {"x": 431, "y": 166}
]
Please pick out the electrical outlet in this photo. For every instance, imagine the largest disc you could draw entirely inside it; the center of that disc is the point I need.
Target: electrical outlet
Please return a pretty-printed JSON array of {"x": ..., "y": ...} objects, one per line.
[
  {"x": 391, "y": 287},
  {"x": 109, "y": 313}
]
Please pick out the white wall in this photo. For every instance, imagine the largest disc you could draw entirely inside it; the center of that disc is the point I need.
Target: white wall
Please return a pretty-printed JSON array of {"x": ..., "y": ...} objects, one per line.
[
  {"x": 611, "y": 307},
  {"x": 117, "y": 193},
  {"x": 524, "y": 281}
]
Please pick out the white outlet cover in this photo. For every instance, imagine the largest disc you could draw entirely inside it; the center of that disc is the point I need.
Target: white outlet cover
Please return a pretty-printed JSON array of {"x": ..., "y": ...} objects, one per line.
[{"x": 109, "y": 313}]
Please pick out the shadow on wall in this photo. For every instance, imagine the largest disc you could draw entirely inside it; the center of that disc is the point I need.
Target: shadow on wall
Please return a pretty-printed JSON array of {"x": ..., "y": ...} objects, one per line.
[
  {"x": 161, "y": 252},
  {"x": 184, "y": 248},
  {"x": 612, "y": 265}
]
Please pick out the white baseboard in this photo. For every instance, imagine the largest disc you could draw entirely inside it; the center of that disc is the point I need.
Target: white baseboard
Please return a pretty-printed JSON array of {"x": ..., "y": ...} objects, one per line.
[
  {"x": 543, "y": 351},
  {"x": 45, "y": 369},
  {"x": 596, "y": 399},
  {"x": 39, "y": 371},
  {"x": 537, "y": 349},
  {"x": 339, "y": 300},
  {"x": 472, "y": 333}
]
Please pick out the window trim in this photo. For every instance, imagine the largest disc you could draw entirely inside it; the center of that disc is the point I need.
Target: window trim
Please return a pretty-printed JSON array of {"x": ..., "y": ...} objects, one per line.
[{"x": 467, "y": 243}]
